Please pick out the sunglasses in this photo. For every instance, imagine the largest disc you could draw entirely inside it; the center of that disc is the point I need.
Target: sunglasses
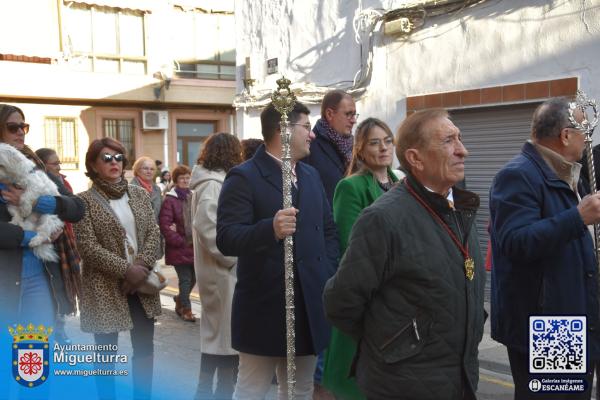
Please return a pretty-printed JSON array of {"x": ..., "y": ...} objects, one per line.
[
  {"x": 13, "y": 127},
  {"x": 109, "y": 157}
]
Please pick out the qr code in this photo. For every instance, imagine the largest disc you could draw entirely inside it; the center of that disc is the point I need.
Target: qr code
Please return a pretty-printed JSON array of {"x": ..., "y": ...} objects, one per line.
[{"x": 557, "y": 344}]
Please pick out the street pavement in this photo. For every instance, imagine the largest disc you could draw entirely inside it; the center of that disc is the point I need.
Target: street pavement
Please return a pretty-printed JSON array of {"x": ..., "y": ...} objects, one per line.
[
  {"x": 495, "y": 380},
  {"x": 177, "y": 352},
  {"x": 176, "y": 347}
]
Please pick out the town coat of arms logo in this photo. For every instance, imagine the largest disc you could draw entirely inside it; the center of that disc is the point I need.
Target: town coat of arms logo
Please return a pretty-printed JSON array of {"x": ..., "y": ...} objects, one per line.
[{"x": 30, "y": 354}]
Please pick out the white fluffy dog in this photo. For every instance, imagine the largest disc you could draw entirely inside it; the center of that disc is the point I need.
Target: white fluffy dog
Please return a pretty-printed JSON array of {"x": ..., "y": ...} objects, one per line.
[{"x": 17, "y": 169}]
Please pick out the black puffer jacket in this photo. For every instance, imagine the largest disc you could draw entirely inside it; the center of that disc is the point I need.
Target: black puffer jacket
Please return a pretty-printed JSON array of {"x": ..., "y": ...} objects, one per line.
[
  {"x": 401, "y": 291},
  {"x": 68, "y": 208}
]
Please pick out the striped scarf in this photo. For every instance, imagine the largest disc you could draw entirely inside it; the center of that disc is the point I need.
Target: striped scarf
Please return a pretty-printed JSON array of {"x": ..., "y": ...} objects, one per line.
[
  {"x": 70, "y": 265},
  {"x": 70, "y": 262}
]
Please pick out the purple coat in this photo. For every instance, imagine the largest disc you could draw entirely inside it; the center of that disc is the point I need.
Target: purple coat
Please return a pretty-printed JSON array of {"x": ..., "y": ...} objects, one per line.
[{"x": 177, "y": 251}]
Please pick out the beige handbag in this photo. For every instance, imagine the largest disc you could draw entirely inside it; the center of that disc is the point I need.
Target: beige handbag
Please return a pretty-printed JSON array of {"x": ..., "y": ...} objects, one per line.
[{"x": 155, "y": 282}]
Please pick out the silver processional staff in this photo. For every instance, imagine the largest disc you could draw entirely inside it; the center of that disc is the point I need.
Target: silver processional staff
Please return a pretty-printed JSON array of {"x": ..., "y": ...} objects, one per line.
[
  {"x": 284, "y": 100},
  {"x": 583, "y": 103}
]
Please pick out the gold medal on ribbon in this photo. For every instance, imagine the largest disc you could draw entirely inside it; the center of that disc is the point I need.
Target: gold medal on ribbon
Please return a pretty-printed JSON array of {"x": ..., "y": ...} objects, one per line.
[
  {"x": 469, "y": 268},
  {"x": 464, "y": 249}
]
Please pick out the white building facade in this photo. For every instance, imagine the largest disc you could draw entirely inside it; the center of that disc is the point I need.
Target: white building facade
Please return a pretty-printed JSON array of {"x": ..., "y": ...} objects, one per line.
[{"x": 489, "y": 62}]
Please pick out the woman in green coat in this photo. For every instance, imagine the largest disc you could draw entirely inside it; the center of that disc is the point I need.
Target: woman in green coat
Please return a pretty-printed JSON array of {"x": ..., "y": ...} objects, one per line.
[{"x": 369, "y": 176}]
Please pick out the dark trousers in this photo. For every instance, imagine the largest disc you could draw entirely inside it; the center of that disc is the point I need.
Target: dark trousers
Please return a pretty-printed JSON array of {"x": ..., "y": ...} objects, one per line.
[
  {"x": 519, "y": 366},
  {"x": 187, "y": 280},
  {"x": 226, "y": 368},
  {"x": 142, "y": 342}
]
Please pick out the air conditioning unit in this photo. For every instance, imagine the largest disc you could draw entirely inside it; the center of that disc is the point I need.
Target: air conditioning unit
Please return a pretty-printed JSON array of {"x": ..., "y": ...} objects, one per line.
[{"x": 153, "y": 119}]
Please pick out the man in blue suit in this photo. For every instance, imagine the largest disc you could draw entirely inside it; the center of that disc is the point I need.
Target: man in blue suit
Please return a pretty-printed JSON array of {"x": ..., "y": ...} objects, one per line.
[
  {"x": 251, "y": 226},
  {"x": 331, "y": 151}
]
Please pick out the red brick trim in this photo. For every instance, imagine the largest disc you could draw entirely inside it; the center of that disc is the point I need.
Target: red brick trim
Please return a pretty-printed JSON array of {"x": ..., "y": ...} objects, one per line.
[
  {"x": 27, "y": 59},
  {"x": 494, "y": 95}
]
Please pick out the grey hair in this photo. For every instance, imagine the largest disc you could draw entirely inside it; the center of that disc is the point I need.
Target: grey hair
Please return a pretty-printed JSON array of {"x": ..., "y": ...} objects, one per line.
[{"x": 551, "y": 117}]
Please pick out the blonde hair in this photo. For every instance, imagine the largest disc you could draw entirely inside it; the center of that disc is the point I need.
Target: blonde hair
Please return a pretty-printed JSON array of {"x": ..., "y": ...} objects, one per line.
[
  {"x": 137, "y": 165},
  {"x": 360, "y": 142}
]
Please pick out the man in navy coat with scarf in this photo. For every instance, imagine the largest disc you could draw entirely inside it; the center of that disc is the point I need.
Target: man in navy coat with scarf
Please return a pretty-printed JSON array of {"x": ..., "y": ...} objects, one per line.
[
  {"x": 331, "y": 151},
  {"x": 251, "y": 226},
  {"x": 330, "y": 154}
]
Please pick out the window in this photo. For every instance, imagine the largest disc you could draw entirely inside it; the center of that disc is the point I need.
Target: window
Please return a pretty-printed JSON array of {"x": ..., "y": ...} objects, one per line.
[
  {"x": 122, "y": 130},
  {"x": 61, "y": 135},
  {"x": 190, "y": 138},
  {"x": 205, "y": 45},
  {"x": 105, "y": 39}
]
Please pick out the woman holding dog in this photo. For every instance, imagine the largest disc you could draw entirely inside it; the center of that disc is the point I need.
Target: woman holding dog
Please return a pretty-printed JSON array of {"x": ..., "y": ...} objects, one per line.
[
  {"x": 32, "y": 290},
  {"x": 118, "y": 240}
]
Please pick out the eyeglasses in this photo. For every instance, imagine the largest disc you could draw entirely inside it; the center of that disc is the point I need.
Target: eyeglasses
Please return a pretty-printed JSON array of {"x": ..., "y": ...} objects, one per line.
[
  {"x": 388, "y": 141},
  {"x": 148, "y": 169},
  {"x": 13, "y": 127},
  {"x": 109, "y": 157},
  {"x": 307, "y": 125},
  {"x": 351, "y": 115}
]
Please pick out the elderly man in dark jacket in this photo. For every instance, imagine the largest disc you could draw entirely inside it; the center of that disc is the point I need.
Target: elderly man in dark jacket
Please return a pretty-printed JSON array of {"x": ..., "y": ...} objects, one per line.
[
  {"x": 410, "y": 286},
  {"x": 543, "y": 252}
]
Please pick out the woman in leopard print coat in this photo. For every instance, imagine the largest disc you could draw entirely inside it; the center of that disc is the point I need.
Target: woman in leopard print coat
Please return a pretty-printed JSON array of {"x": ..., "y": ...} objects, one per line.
[{"x": 118, "y": 240}]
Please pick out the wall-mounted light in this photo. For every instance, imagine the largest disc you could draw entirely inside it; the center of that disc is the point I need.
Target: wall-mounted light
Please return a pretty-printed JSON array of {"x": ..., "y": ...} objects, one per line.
[
  {"x": 401, "y": 25},
  {"x": 165, "y": 83}
]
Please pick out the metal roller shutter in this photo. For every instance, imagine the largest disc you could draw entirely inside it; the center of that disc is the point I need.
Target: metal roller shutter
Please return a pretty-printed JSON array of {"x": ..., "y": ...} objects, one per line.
[{"x": 492, "y": 136}]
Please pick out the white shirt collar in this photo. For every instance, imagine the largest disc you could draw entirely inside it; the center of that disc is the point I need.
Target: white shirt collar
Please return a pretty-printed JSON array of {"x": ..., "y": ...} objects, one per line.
[
  {"x": 449, "y": 197},
  {"x": 278, "y": 160}
]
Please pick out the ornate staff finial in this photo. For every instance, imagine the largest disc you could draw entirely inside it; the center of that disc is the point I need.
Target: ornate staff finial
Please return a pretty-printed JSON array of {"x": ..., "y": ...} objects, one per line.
[
  {"x": 284, "y": 100},
  {"x": 583, "y": 103}
]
